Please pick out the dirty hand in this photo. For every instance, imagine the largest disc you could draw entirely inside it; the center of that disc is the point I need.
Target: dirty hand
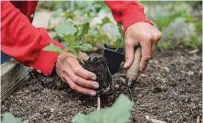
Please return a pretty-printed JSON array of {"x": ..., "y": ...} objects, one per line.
[
  {"x": 79, "y": 79},
  {"x": 145, "y": 35}
]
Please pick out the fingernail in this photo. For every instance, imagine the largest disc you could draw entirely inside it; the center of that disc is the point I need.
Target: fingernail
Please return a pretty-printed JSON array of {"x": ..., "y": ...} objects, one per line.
[
  {"x": 92, "y": 93},
  {"x": 96, "y": 85},
  {"x": 94, "y": 77}
]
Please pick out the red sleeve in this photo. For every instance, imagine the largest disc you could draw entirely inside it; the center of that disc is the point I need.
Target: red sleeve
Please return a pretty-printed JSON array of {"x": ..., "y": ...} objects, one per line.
[
  {"x": 127, "y": 12},
  {"x": 22, "y": 41}
]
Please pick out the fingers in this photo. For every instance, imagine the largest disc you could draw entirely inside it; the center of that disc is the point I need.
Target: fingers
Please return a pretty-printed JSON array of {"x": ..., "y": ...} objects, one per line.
[
  {"x": 149, "y": 45},
  {"x": 156, "y": 36},
  {"x": 129, "y": 53},
  {"x": 146, "y": 51},
  {"x": 79, "y": 70},
  {"x": 79, "y": 89},
  {"x": 147, "y": 36},
  {"x": 68, "y": 69},
  {"x": 80, "y": 81}
]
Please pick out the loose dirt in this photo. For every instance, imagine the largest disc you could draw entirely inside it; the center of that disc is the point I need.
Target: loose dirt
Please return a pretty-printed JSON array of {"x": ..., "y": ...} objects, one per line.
[{"x": 169, "y": 90}]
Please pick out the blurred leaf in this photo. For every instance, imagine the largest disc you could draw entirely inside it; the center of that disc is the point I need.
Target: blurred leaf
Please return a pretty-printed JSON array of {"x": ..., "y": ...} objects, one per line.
[
  {"x": 70, "y": 49},
  {"x": 105, "y": 20},
  {"x": 57, "y": 13},
  {"x": 85, "y": 29},
  {"x": 118, "y": 43},
  {"x": 83, "y": 4},
  {"x": 86, "y": 47},
  {"x": 163, "y": 20},
  {"x": 65, "y": 29},
  {"x": 9, "y": 118},
  {"x": 53, "y": 48},
  {"x": 118, "y": 113},
  {"x": 120, "y": 30},
  {"x": 69, "y": 15},
  {"x": 70, "y": 39}
]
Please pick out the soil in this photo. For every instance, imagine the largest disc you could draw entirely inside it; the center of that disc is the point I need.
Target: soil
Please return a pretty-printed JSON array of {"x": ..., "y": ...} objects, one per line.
[
  {"x": 169, "y": 90},
  {"x": 98, "y": 65}
]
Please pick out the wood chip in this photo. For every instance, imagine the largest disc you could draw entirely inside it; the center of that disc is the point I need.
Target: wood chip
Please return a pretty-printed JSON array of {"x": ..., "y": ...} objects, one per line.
[
  {"x": 157, "y": 121},
  {"x": 154, "y": 120}
]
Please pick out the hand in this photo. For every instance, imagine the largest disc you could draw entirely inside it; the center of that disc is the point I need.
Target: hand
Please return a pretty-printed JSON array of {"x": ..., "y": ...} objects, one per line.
[
  {"x": 145, "y": 35},
  {"x": 79, "y": 79}
]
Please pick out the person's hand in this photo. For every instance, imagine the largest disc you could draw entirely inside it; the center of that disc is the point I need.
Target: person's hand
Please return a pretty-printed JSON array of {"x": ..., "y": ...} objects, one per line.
[
  {"x": 79, "y": 79},
  {"x": 141, "y": 34}
]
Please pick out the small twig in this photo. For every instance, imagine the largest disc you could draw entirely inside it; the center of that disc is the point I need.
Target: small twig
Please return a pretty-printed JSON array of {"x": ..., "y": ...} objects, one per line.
[{"x": 98, "y": 103}]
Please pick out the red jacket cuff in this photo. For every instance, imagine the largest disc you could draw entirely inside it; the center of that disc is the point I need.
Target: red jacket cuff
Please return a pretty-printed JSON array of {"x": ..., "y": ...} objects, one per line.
[
  {"x": 133, "y": 15},
  {"x": 45, "y": 62}
]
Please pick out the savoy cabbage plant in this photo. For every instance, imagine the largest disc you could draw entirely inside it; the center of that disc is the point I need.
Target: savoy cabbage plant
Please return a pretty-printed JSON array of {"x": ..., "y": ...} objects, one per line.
[
  {"x": 118, "y": 113},
  {"x": 9, "y": 118}
]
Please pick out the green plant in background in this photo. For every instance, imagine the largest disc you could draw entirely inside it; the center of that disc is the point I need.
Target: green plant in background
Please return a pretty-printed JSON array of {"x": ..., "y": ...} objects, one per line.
[
  {"x": 119, "y": 43},
  {"x": 118, "y": 113},
  {"x": 177, "y": 23},
  {"x": 105, "y": 20},
  {"x": 9, "y": 118},
  {"x": 72, "y": 39},
  {"x": 164, "y": 14},
  {"x": 57, "y": 14}
]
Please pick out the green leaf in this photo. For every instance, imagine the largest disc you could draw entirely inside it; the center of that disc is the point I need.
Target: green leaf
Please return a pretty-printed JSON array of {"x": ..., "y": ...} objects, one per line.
[
  {"x": 70, "y": 49},
  {"x": 86, "y": 47},
  {"x": 105, "y": 20},
  {"x": 163, "y": 19},
  {"x": 53, "y": 48},
  {"x": 118, "y": 113},
  {"x": 118, "y": 43},
  {"x": 65, "y": 29},
  {"x": 70, "y": 39},
  {"x": 85, "y": 29},
  {"x": 69, "y": 15},
  {"x": 9, "y": 118},
  {"x": 120, "y": 30}
]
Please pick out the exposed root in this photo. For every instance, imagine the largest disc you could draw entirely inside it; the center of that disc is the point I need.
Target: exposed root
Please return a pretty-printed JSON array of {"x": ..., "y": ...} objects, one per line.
[{"x": 98, "y": 103}]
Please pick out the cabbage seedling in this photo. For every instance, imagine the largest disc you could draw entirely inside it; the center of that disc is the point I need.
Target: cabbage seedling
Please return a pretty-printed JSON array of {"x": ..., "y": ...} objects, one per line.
[{"x": 72, "y": 39}]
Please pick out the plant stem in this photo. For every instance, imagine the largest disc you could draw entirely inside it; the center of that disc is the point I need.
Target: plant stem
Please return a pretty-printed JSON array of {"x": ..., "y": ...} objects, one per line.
[{"x": 98, "y": 103}]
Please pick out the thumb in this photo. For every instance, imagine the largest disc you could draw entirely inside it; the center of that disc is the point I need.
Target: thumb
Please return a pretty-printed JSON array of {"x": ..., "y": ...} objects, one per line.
[{"x": 129, "y": 55}]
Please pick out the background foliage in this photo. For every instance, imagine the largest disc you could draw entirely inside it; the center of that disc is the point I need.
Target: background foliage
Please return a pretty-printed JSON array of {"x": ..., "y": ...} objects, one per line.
[{"x": 179, "y": 21}]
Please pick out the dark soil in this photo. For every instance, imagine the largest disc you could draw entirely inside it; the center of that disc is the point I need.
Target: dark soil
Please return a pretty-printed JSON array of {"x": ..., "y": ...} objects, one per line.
[
  {"x": 98, "y": 65},
  {"x": 169, "y": 90}
]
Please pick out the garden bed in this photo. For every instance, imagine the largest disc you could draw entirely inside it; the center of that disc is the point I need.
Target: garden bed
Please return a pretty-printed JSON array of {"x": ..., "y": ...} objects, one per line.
[{"x": 169, "y": 90}]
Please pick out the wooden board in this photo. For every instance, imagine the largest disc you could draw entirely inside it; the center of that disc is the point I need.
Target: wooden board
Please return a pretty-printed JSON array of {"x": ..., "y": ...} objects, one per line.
[{"x": 11, "y": 74}]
